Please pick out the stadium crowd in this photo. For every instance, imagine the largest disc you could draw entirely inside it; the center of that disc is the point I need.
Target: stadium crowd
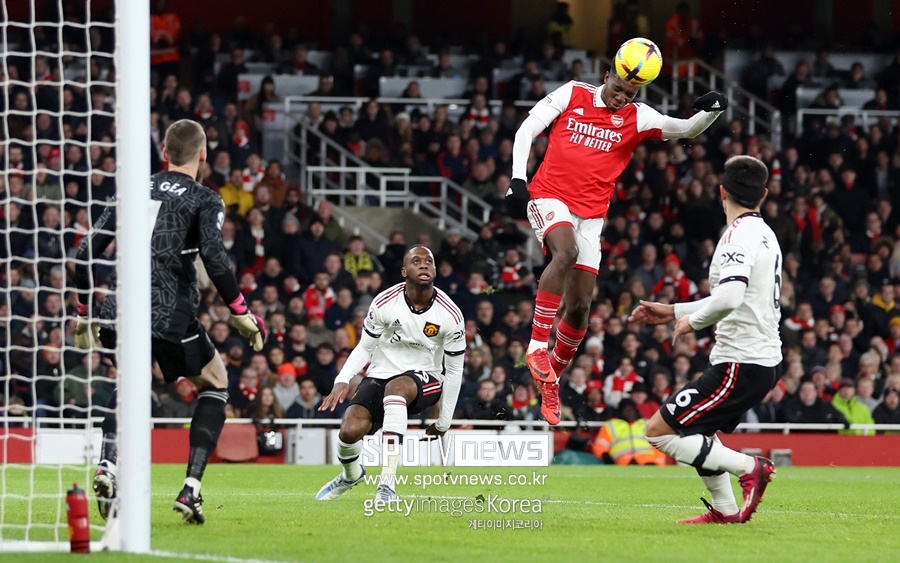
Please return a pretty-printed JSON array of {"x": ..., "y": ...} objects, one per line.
[{"x": 834, "y": 202}]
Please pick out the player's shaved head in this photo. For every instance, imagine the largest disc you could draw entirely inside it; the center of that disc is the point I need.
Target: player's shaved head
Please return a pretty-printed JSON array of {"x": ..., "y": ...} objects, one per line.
[
  {"x": 184, "y": 140},
  {"x": 416, "y": 249}
]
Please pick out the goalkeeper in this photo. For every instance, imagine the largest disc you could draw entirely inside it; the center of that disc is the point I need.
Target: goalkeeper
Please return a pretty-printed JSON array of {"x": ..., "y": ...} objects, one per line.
[{"x": 187, "y": 220}]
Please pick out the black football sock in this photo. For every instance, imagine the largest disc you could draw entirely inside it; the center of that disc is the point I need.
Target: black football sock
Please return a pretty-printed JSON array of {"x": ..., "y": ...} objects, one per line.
[
  {"x": 206, "y": 426},
  {"x": 108, "y": 448}
]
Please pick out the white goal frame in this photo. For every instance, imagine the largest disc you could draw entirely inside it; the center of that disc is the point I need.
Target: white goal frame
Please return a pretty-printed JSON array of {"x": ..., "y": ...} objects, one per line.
[
  {"x": 132, "y": 56},
  {"x": 128, "y": 528}
]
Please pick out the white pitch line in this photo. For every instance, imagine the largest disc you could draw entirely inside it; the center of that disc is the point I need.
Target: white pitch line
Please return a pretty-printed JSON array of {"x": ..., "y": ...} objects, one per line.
[
  {"x": 585, "y": 502},
  {"x": 209, "y": 557}
]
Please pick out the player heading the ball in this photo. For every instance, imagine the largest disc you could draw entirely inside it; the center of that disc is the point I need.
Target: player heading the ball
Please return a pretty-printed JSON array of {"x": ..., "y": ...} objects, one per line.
[{"x": 593, "y": 133}]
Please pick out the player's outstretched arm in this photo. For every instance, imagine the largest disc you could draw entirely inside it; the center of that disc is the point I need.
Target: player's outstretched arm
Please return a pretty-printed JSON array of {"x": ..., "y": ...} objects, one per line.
[
  {"x": 540, "y": 117},
  {"x": 91, "y": 248},
  {"x": 709, "y": 106},
  {"x": 453, "y": 369},
  {"x": 356, "y": 361},
  {"x": 650, "y": 313}
]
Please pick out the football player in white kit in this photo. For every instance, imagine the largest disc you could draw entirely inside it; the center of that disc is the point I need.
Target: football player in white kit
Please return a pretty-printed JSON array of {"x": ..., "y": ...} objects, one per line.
[
  {"x": 414, "y": 336},
  {"x": 745, "y": 274}
]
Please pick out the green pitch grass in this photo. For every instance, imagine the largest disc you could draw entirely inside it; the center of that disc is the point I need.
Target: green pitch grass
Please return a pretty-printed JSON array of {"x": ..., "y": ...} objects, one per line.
[{"x": 589, "y": 513}]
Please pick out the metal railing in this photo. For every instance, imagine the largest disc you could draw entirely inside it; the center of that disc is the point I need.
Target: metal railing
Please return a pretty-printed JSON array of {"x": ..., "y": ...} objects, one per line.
[
  {"x": 736, "y": 94},
  {"x": 867, "y": 116}
]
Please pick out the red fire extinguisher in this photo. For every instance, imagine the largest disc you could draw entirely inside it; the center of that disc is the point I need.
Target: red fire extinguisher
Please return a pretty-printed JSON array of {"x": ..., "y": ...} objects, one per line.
[{"x": 79, "y": 524}]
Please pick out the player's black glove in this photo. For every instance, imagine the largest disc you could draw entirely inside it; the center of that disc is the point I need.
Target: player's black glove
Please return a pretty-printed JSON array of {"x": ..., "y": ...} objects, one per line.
[
  {"x": 517, "y": 198},
  {"x": 711, "y": 101}
]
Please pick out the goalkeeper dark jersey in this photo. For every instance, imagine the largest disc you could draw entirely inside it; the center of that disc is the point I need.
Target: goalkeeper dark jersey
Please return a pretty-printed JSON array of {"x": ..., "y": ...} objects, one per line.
[{"x": 188, "y": 221}]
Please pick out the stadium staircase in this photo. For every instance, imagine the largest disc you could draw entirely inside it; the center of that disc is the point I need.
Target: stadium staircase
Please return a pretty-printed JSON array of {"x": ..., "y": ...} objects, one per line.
[{"x": 374, "y": 201}]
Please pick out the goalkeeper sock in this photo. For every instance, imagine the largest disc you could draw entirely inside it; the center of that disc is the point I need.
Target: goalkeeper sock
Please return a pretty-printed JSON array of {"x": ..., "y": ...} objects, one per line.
[
  {"x": 108, "y": 449},
  {"x": 719, "y": 486},
  {"x": 206, "y": 426},
  {"x": 348, "y": 455},
  {"x": 395, "y": 425},
  {"x": 703, "y": 452}
]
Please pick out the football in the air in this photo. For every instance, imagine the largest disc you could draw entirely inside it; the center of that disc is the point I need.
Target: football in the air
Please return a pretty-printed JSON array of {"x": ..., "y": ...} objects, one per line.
[{"x": 638, "y": 61}]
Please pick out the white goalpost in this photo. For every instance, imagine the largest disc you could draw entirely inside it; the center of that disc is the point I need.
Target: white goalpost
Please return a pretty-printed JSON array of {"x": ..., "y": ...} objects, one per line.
[{"x": 74, "y": 91}]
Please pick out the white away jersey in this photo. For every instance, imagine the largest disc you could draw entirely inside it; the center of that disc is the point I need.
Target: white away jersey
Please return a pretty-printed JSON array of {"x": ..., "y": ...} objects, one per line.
[
  {"x": 748, "y": 252},
  {"x": 413, "y": 340}
]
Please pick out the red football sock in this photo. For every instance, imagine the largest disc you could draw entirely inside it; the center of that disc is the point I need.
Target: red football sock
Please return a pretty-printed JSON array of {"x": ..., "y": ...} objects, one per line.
[
  {"x": 545, "y": 306},
  {"x": 567, "y": 341}
]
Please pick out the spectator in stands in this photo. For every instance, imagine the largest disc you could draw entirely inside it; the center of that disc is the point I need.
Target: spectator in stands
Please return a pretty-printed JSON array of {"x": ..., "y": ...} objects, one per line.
[
  {"x": 319, "y": 296},
  {"x": 311, "y": 251},
  {"x": 253, "y": 109},
  {"x": 228, "y": 75},
  {"x": 865, "y": 389},
  {"x": 333, "y": 229},
  {"x": 684, "y": 36},
  {"x": 339, "y": 277},
  {"x": 444, "y": 67},
  {"x": 392, "y": 258},
  {"x": 854, "y": 410},
  {"x": 888, "y": 411},
  {"x": 486, "y": 405},
  {"x": 286, "y": 389},
  {"x": 799, "y": 79},
  {"x": 758, "y": 72},
  {"x": 621, "y": 440},
  {"x": 857, "y": 77},
  {"x": 452, "y": 163},
  {"x": 181, "y": 402},
  {"x": 358, "y": 259},
  {"x": 322, "y": 369},
  {"x": 808, "y": 407},
  {"x": 386, "y": 66},
  {"x": 373, "y": 123},
  {"x": 889, "y": 79},
  {"x": 299, "y": 63},
  {"x": 306, "y": 404},
  {"x": 823, "y": 72},
  {"x": 550, "y": 64},
  {"x": 413, "y": 54},
  {"x": 771, "y": 409},
  {"x": 881, "y": 102},
  {"x": 478, "y": 114}
]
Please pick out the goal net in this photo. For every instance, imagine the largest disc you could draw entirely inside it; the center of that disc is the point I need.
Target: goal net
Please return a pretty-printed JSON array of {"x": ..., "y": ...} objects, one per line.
[{"x": 60, "y": 162}]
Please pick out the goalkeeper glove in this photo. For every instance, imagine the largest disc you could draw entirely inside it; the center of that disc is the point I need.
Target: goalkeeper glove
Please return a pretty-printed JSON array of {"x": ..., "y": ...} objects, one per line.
[
  {"x": 711, "y": 101},
  {"x": 249, "y": 325},
  {"x": 87, "y": 334},
  {"x": 517, "y": 198}
]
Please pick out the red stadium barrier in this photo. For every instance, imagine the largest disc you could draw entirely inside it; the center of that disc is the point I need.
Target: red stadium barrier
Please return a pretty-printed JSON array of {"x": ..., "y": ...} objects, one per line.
[{"x": 170, "y": 445}]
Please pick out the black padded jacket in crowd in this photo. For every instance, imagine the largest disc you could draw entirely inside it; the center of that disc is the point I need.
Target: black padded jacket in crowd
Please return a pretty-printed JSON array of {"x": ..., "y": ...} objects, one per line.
[{"x": 187, "y": 219}]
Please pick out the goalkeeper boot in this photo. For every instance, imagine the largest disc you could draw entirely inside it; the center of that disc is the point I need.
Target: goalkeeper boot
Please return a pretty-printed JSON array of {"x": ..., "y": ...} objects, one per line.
[
  {"x": 385, "y": 493},
  {"x": 754, "y": 485},
  {"x": 338, "y": 486},
  {"x": 712, "y": 517},
  {"x": 189, "y": 504},
  {"x": 105, "y": 487},
  {"x": 550, "y": 402}
]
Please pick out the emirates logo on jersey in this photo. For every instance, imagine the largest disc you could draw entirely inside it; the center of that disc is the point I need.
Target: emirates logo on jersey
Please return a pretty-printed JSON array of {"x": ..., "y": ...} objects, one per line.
[
  {"x": 431, "y": 329},
  {"x": 617, "y": 120}
]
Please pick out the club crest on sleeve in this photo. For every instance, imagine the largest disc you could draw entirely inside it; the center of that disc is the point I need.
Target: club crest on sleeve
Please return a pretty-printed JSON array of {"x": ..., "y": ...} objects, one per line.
[
  {"x": 617, "y": 120},
  {"x": 431, "y": 329}
]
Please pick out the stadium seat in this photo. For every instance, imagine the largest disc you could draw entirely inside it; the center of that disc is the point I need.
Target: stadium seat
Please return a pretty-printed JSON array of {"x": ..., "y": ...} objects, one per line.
[{"x": 237, "y": 444}]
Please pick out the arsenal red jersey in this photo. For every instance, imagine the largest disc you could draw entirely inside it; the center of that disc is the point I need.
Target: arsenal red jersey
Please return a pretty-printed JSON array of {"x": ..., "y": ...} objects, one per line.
[{"x": 589, "y": 146}]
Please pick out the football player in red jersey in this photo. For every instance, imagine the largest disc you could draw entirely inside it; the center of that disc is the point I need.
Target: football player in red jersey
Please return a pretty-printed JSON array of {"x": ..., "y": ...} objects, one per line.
[{"x": 593, "y": 132}]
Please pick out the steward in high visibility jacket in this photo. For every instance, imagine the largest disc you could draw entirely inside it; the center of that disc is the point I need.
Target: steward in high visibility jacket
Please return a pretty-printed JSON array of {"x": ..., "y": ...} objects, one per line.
[{"x": 621, "y": 440}]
